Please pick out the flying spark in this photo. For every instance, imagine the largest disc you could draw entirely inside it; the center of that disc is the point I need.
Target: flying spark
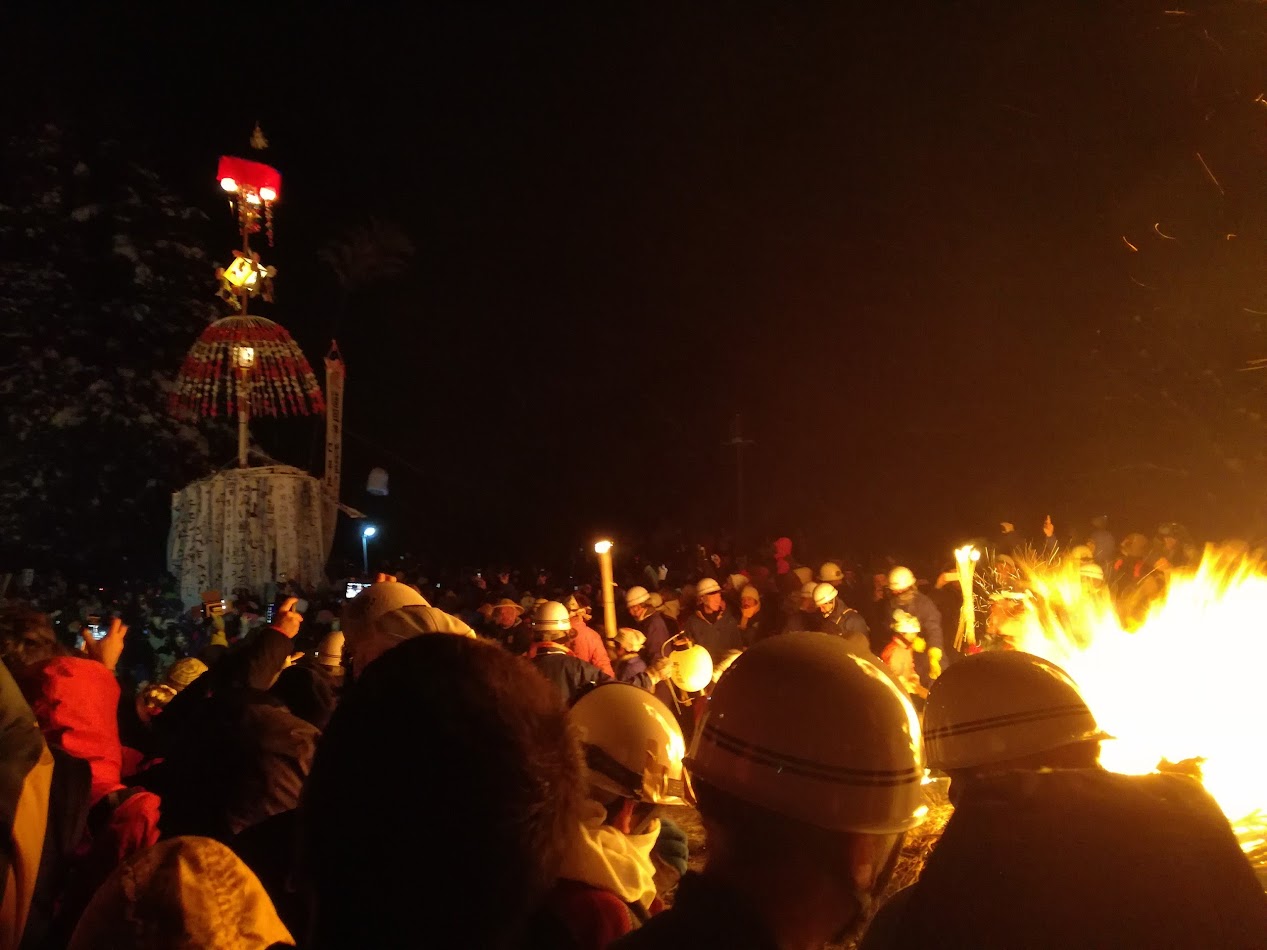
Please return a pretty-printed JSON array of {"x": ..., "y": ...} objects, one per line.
[{"x": 1210, "y": 173}]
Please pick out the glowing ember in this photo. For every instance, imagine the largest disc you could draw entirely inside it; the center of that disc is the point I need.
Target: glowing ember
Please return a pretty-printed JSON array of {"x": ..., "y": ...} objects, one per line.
[{"x": 1180, "y": 686}]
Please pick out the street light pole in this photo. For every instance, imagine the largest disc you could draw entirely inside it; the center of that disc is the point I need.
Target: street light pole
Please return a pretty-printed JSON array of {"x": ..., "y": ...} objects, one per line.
[{"x": 366, "y": 533}]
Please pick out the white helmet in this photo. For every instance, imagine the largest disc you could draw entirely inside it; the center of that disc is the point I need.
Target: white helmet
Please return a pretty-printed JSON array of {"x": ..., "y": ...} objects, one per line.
[
  {"x": 655, "y": 600},
  {"x": 737, "y": 581},
  {"x": 994, "y": 707},
  {"x": 824, "y": 594},
  {"x": 635, "y": 596},
  {"x": 630, "y": 639},
  {"x": 901, "y": 579},
  {"x": 330, "y": 649},
  {"x": 387, "y": 613},
  {"x": 831, "y": 573},
  {"x": 551, "y": 617},
  {"x": 762, "y": 739},
  {"x": 804, "y": 574},
  {"x": 633, "y": 744},
  {"x": 691, "y": 669},
  {"x": 707, "y": 586},
  {"x": 808, "y": 588}
]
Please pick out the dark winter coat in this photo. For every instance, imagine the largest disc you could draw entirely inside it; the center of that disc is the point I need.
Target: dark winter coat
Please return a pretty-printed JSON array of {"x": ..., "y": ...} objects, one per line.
[
  {"x": 570, "y": 675},
  {"x": 233, "y": 753},
  {"x": 704, "y": 914},
  {"x": 517, "y": 639},
  {"x": 718, "y": 636},
  {"x": 848, "y": 624},
  {"x": 632, "y": 669},
  {"x": 1081, "y": 858}
]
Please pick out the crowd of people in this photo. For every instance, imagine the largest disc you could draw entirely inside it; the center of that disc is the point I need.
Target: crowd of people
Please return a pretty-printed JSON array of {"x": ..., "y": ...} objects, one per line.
[{"x": 497, "y": 760}]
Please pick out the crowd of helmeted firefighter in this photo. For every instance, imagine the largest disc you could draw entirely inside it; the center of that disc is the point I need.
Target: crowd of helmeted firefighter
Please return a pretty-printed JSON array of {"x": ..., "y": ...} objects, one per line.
[{"x": 515, "y": 778}]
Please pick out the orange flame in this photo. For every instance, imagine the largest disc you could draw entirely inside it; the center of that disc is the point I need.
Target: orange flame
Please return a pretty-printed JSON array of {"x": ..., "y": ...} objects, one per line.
[{"x": 1179, "y": 686}]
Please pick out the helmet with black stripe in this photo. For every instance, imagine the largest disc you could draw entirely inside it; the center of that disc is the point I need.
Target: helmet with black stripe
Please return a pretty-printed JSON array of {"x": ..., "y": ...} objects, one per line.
[
  {"x": 999, "y": 707},
  {"x": 803, "y": 727}
]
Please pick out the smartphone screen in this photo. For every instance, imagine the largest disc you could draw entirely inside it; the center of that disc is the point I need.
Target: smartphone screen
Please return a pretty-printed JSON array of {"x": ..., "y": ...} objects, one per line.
[
  {"x": 95, "y": 628},
  {"x": 354, "y": 588}
]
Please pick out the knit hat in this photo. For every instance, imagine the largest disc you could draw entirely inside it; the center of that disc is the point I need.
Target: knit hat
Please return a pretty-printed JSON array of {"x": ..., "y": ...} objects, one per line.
[{"x": 181, "y": 893}]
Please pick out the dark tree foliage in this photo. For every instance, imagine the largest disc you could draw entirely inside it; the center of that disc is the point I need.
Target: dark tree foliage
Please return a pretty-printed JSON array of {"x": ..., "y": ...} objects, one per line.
[{"x": 103, "y": 286}]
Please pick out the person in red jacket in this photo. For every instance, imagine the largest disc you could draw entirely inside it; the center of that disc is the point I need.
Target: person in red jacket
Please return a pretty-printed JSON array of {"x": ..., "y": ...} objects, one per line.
[
  {"x": 586, "y": 643},
  {"x": 633, "y": 750}
]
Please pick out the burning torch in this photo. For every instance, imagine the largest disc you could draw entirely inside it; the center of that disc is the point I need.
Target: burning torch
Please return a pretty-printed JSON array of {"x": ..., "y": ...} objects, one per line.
[
  {"x": 966, "y": 559},
  {"x": 604, "y": 551}
]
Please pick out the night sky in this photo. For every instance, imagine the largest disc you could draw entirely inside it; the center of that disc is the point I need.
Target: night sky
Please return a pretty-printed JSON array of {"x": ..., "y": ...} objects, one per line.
[{"x": 894, "y": 238}]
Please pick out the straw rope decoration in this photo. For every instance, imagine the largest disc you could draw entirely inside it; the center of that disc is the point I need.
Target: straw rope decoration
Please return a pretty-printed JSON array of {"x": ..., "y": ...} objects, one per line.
[{"x": 280, "y": 382}]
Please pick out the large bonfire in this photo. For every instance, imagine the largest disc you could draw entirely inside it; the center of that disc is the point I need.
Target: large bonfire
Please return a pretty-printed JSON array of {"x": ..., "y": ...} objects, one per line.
[{"x": 1179, "y": 689}]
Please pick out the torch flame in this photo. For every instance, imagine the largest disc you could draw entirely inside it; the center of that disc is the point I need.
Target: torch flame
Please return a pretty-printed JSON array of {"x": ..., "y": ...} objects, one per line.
[{"x": 1175, "y": 689}]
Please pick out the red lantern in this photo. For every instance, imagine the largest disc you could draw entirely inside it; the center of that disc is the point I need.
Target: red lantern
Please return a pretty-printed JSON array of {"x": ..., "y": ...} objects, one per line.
[{"x": 251, "y": 186}]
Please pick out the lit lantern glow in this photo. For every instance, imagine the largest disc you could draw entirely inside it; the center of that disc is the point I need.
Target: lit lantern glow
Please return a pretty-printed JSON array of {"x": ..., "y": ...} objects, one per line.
[
  {"x": 268, "y": 194},
  {"x": 228, "y": 184},
  {"x": 244, "y": 356},
  {"x": 242, "y": 273}
]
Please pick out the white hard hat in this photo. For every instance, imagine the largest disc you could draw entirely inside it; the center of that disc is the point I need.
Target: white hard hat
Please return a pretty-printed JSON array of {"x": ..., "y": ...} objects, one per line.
[
  {"x": 804, "y": 574},
  {"x": 831, "y": 573},
  {"x": 750, "y": 592},
  {"x": 764, "y": 741},
  {"x": 631, "y": 639},
  {"x": 360, "y": 613},
  {"x": 808, "y": 588},
  {"x": 633, "y": 743},
  {"x": 824, "y": 594},
  {"x": 330, "y": 649},
  {"x": 635, "y": 596},
  {"x": 551, "y": 616},
  {"x": 995, "y": 707},
  {"x": 737, "y": 581},
  {"x": 691, "y": 669},
  {"x": 707, "y": 586},
  {"x": 900, "y": 579},
  {"x": 387, "y": 613},
  {"x": 656, "y": 600}
]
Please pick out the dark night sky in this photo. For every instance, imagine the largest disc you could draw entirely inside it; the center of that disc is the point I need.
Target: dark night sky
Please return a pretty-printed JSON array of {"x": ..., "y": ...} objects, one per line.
[{"x": 889, "y": 236}]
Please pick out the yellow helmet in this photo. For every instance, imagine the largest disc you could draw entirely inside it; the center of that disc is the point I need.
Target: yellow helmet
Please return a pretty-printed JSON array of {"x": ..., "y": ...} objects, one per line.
[
  {"x": 803, "y": 727},
  {"x": 831, "y": 573}
]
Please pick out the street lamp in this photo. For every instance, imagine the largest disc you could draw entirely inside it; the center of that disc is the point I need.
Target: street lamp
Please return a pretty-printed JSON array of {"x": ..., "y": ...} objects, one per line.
[{"x": 366, "y": 533}]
